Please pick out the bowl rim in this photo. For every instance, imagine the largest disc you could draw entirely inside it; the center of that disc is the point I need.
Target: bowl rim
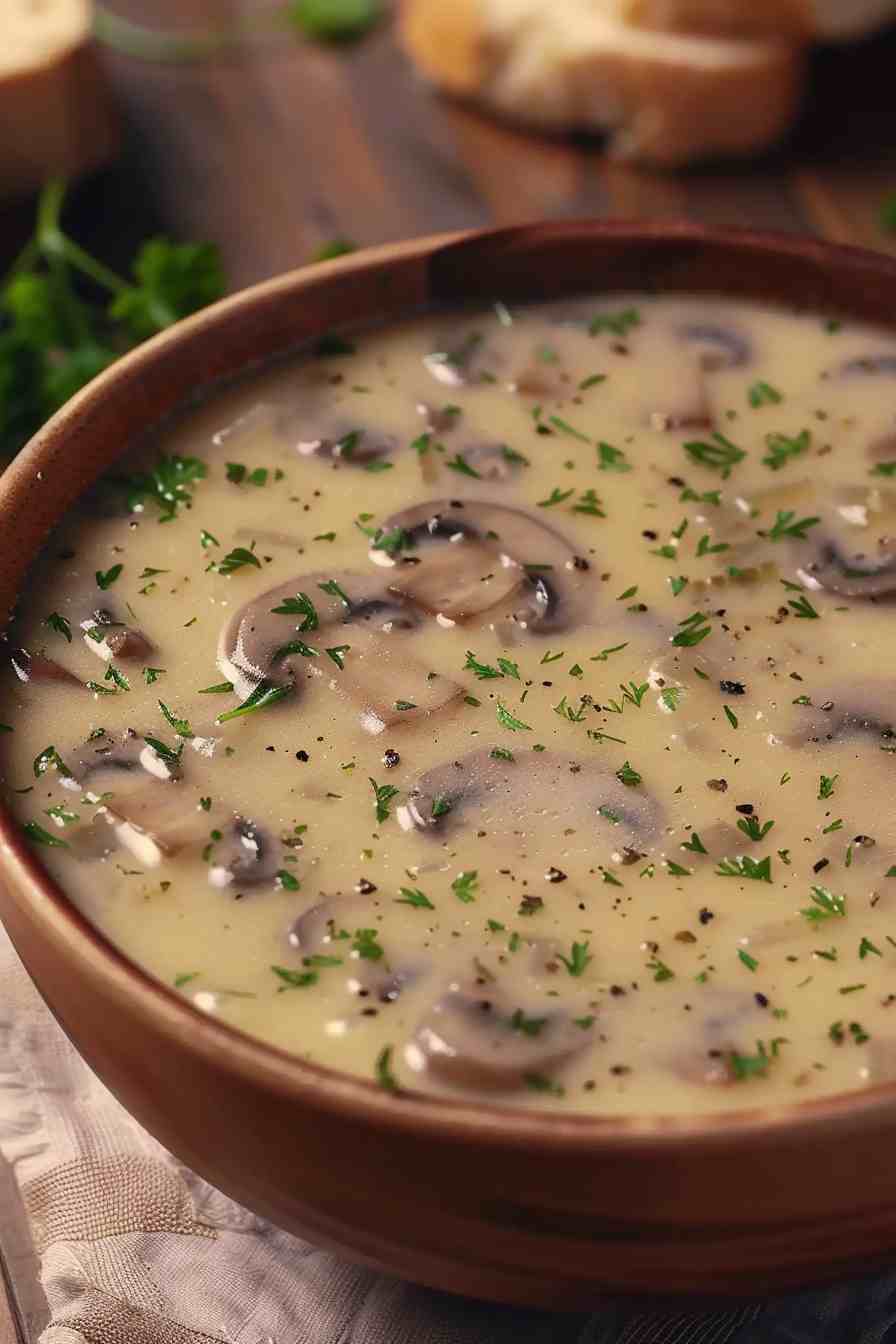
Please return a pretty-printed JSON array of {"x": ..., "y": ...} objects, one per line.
[{"x": 308, "y": 1083}]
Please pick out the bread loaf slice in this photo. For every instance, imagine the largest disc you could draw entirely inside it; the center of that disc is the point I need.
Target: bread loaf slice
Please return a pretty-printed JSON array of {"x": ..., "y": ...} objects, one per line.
[
  {"x": 821, "y": 20},
  {"x": 55, "y": 112},
  {"x": 575, "y": 64}
]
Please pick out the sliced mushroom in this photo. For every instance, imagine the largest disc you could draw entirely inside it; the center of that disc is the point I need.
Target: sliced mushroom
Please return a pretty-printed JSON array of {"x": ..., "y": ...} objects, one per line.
[
  {"x": 881, "y": 1059},
  {"x": 246, "y": 855},
  {"x": 480, "y": 1040},
  {"x": 387, "y": 684},
  {"x": 861, "y": 575},
  {"x": 327, "y": 923},
  {"x": 868, "y": 366},
  {"x": 847, "y": 713},
  {"x": 355, "y": 446},
  {"x": 469, "y": 556},
  {"x": 438, "y": 419},
  {"x": 266, "y": 536},
  {"x": 109, "y": 638},
  {"x": 254, "y": 428},
  {"x": 131, "y": 755},
  {"x": 38, "y": 668},
  {"x": 715, "y": 346},
  {"x": 722, "y": 1032},
  {"x": 256, "y": 633},
  {"x": 493, "y": 461},
  {"x": 461, "y": 360},
  {"x": 153, "y": 821},
  {"x": 499, "y": 795},
  {"x": 325, "y": 930},
  {"x": 543, "y": 381}
]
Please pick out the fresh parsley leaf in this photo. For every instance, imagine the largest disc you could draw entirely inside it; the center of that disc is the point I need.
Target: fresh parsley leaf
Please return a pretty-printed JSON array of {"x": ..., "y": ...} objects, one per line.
[
  {"x": 617, "y": 324},
  {"x": 180, "y": 726},
  {"x": 58, "y": 623},
  {"x": 781, "y": 448},
  {"x": 415, "y": 897},
  {"x": 825, "y": 905},
  {"x": 294, "y": 979},
  {"x": 236, "y": 559},
  {"x": 264, "y": 695},
  {"x": 334, "y": 21},
  {"x": 719, "y": 453},
  {"x": 758, "y": 870},
  {"x": 460, "y": 464},
  {"x": 763, "y": 394},
  {"x": 787, "y": 524},
  {"x": 507, "y": 720},
  {"x": 383, "y": 794},
  {"x": 694, "y": 629},
  {"x": 660, "y": 970},
  {"x": 557, "y": 496},
  {"x": 464, "y": 886},
  {"x": 483, "y": 671},
  {"x": 803, "y": 608},
  {"x": 300, "y": 605},
  {"x": 105, "y": 579},
  {"x": 626, "y": 775},
  {"x": 382, "y": 1070},
  {"x": 578, "y": 959},
  {"x": 611, "y": 459},
  {"x": 366, "y": 945},
  {"x": 37, "y": 833}
]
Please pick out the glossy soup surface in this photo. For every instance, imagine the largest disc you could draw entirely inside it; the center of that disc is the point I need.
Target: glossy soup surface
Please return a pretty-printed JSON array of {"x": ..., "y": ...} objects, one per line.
[{"x": 564, "y": 772}]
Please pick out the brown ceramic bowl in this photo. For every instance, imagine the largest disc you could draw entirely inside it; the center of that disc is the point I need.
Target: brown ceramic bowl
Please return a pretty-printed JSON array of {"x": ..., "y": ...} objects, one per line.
[{"x": 545, "y": 1209}]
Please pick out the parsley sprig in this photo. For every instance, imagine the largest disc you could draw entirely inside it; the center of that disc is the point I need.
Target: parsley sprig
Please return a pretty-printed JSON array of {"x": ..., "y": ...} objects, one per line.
[{"x": 65, "y": 316}]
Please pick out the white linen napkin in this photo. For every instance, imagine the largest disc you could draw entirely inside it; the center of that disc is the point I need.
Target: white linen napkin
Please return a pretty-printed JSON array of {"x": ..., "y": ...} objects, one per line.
[{"x": 135, "y": 1249}]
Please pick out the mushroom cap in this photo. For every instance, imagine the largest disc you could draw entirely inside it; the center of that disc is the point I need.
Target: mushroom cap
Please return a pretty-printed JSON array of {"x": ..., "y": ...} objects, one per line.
[
  {"x": 513, "y": 797},
  {"x": 480, "y": 1040},
  {"x": 491, "y": 555}
]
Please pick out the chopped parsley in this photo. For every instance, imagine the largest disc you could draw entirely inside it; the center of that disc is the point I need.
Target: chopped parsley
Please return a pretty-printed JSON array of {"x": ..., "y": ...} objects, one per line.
[
  {"x": 58, "y": 623},
  {"x": 264, "y": 695},
  {"x": 757, "y": 870},
  {"x": 383, "y": 795},
  {"x": 578, "y": 959},
  {"x": 719, "y": 453},
  {"x": 300, "y": 605},
  {"x": 611, "y": 459},
  {"x": 782, "y": 449},
  {"x": 106, "y": 578},
  {"x": 507, "y": 720},
  {"x": 825, "y": 905},
  {"x": 415, "y": 897},
  {"x": 787, "y": 525},
  {"x": 464, "y": 886},
  {"x": 763, "y": 394}
]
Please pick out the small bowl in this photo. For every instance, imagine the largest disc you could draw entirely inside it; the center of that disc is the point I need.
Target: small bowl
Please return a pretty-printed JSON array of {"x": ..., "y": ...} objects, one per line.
[{"x": 523, "y": 1207}]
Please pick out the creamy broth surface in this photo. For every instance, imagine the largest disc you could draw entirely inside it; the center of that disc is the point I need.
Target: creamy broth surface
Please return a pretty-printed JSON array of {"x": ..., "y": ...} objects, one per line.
[{"x": 562, "y": 636}]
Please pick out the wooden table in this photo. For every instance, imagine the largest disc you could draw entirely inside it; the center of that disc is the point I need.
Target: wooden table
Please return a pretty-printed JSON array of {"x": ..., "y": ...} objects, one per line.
[
  {"x": 275, "y": 151},
  {"x": 279, "y": 149}
]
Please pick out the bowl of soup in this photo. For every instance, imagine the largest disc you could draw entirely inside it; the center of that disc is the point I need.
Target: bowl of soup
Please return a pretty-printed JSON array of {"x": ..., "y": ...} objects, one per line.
[{"x": 448, "y": 741}]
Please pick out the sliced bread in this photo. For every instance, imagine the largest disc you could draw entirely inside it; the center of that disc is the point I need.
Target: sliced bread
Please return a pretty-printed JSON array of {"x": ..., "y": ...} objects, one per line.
[
  {"x": 55, "y": 112},
  {"x": 576, "y": 64}
]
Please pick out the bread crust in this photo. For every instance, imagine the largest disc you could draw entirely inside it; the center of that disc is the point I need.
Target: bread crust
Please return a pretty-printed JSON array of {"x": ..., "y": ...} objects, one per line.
[
  {"x": 664, "y": 99},
  {"x": 799, "y": 20},
  {"x": 56, "y": 119},
  {"x": 774, "y": 19}
]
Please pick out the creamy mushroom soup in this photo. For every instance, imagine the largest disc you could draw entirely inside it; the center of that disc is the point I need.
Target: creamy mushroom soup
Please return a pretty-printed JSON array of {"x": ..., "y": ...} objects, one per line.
[{"x": 498, "y": 706}]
